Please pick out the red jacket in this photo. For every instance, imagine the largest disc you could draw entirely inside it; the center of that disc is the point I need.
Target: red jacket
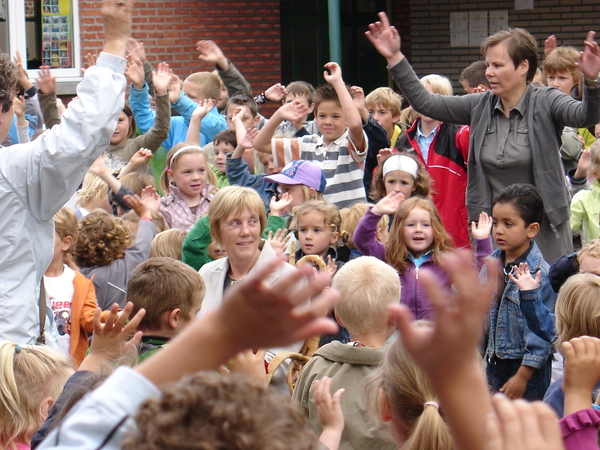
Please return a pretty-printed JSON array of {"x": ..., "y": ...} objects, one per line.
[{"x": 447, "y": 167}]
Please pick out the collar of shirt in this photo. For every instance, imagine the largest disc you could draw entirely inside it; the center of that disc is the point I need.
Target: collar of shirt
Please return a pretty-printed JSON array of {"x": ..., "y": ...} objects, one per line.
[
  {"x": 322, "y": 147},
  {"x": 521, "y": 107}
]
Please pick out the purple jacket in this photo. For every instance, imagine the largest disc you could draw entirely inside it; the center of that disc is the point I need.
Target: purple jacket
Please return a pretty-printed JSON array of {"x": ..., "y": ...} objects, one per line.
[
  {"x": 579, "y": 430},
  {"x": 412, "y": 294}
]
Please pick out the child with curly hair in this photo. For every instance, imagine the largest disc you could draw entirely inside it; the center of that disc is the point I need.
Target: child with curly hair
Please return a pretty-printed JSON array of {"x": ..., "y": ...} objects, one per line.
[{"x": 102, "y": 254}]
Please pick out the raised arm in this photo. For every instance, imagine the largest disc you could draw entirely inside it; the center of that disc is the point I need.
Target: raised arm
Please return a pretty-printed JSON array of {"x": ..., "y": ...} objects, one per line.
[
  {"x": 234, "y": 81},
  {"x": 290, "y": 111}
]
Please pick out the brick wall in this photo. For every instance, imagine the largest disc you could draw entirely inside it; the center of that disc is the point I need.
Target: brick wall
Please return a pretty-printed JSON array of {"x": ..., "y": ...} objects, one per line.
[
  {"x": 569, "y": 20},
  {"x": 247, "y": 32}
]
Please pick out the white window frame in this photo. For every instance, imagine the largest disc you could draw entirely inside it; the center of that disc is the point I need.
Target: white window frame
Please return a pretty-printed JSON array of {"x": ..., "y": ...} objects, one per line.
[{"x": 17, "y": 41}]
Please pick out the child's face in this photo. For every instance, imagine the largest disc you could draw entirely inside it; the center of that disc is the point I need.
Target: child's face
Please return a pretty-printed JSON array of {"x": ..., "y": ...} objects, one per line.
[
  {"x": 247, "y": 119},
  {"x": 266, "y": 159},
  {"x": 189, "y": 175},
  {"x": 418, "y": 231},
  {"x": 215, "y": 252},
  {"x": 221, "y": 151},
  {"x": 385, "y": 117},
  {"x": 222, "y": 103},
  {"x": 510, "y": 232},
  {"x": 121, "y": 130},
  {"x": 314, "y": 235},
  {"x": 330, "y": 120},
  {"x": 590, "y": 264},
  {"x": 193, "y": 91},
  {"x": 295, "y": 190},
  {"x": 399, "y": 181},
  {"x": 564, "y": 81}
]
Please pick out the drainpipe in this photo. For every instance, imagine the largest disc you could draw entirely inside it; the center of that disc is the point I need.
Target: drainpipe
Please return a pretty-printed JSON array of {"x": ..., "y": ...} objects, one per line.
[{"x": 335, "y": 34}]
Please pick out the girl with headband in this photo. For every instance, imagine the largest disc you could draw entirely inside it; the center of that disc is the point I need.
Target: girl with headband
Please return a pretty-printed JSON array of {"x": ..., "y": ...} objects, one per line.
[
  {"x": 400, "y": 173},
  {"x": 184, "y": 182}
]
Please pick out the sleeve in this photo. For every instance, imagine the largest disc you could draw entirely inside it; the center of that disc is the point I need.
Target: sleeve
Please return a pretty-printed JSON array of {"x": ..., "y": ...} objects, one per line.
[
  {"x": 118, "y": 197},
  {"x": 274, "y": 223},
  {"x": 44, "y": 173},
  {"x": 89, "y": 309},
  {"x": 358, "y": 157},
  {"x": 447, "y": 108},
  {"x": 140, "y": 251},
  {"x": 537, "y": 349},
  {"x": 571, "y": 147},
  {"x": 483, "y": 249},
  {"x": 377, "y": 140},
  {"x": 195, "y": 244},
  {"x": 23, "y": 134},
  {"x": 185, "y": 107},
  {"x": 539, "y": 320},
  {"x": 577, "y": 212},
  {"x": 579, "y": 429},
  {"x": 155, "y": 136},
  {"x": 238, "y": 174},
  {"x": 234, "y": 81},
  {"x": 566, "y": 111},
  {"x": 148, "y": 69},
  {"x": 49, "y": 109},
  {"x": 101, "y": 419},
  {"x": 462, "y": 141},
  {"x": 576, "y": 184},
  {"x": 365, "y": 236},
  {"x": 164, "y": 210},
  {"x": 211, "y": 124},
  {"x": 140, "y": 106},
  {"x": 285, "y": 150}
]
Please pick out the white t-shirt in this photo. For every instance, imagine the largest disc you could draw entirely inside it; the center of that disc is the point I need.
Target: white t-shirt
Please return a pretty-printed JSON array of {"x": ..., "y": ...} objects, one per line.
[{"x": 60, "y": 292}]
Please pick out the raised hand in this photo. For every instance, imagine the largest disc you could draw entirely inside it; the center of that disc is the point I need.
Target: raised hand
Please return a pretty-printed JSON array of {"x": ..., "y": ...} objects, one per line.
[
  {"x": 384, "y": 153},
  {"x": 19, "y": 106},
  {"x": 276, "y": 93},
  {"x": 116, "y": 17},
  {"x": 90, "y": 59},
  {"x": 521, "y": 276},
  {"x": 388, "y": 204},
  {"x": 279, "y": 241},
  {"x": 175, "y": 89},
  {"x": 142, "y": 156},
  {"x": 135, "y": 72},
  {"x": 46, "y": 81},
  {"x": 277, "y": 206},
  {"x": 549, "y": 44},
  {"x": 329, "y": 411},
  {"x": 331, "y": 266},
  {"x": 98, "y": 167},
  {"x": 203, "y": 108},
  {"x": 483, "y": 228},
  {"x": 293, "y": 111},
  {"x": 589, "y": 58},
  {"x": 150, "y": 198},
  {"x": 249, "y": 364},
  {"x": 161, "y": 78},
  {"x": 385, "y": 39},
  {"x": 136, "y": 49},
  {"x": 582, "y": 371},
  {"x": 248, "y": 140},
  {"x": 140, "y": 207},
  {"x": 209, "y": 51},
  {"x": 333, "y": 74}
]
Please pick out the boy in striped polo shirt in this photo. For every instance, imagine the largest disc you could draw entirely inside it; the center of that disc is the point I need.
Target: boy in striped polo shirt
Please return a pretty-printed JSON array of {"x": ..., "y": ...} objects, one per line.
[{"x": 340, "y": 150}]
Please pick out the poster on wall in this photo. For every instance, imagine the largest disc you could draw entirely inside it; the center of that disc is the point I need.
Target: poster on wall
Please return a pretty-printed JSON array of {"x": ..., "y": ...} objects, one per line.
[{"x": 56, "y": 33}]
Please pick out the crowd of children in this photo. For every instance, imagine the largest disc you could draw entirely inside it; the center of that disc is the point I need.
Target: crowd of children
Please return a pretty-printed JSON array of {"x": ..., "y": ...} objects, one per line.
[{"x": 196, "y": 276}]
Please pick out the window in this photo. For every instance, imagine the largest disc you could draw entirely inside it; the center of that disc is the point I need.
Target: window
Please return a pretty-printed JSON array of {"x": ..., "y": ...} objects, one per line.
[{"x": 46, "y": 32}]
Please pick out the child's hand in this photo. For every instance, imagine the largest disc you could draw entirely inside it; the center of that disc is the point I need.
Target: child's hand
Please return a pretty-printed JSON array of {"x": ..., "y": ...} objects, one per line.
[
  {"x": 335, "y": 73},
  {"x": 293, "y": 111},
  {"x": 151, "y": 198},
  {"x": 250, "y": 364},
  {"x": 331, "y": 267},
  {"x": 142, "y": 156},
  {"x": 276, "y": 93},
  {"x": 248, "y": 140},
  {"x": 584, "y": 164},
  {"x": 482, "y": 229},
  {"x": 277, "y": 206},
  {"x": 98, "y": 167},
  {"x": 136, "y": 49},
  {"x": 135, "y": 72},
  {"x": 237, "y": 115},
  {"x": 521, "y": 276},
  {"x": 135, "y": 203},
  {"x": 384, "y": 153},
  {"x": 161, "y": 78},
  {"x": 388, "y": 204},
  {"x": 358, "y": 96},
  {"x": 19, "y": 69},
  {"x": 519, "y": 425},
  {"x": 203, "y": 108},
  {"x": 515, "y": 387},
  {"x": 279, "y": 241},
  {"x": 175, "y": 91},
  {"x": 328, "y": 406},
  {"x": 46, "y": 81},
  {"x": 19, "y": 106},
  {"x": 210, "y": 52},
  {"x": 582, "y": 372},
  {"x": 90, "y": 59},
  {"x": 111, "y": 340},
  {"x": 549, "y": 44}
]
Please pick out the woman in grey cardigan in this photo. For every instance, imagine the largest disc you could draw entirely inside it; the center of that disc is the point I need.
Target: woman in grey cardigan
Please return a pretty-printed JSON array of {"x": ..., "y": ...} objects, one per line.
[{"x": 515, "y": 127}]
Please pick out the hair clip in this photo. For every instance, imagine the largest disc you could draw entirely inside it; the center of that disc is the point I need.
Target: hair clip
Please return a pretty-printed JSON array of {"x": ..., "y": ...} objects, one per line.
[{"x": 18, "y": 348}]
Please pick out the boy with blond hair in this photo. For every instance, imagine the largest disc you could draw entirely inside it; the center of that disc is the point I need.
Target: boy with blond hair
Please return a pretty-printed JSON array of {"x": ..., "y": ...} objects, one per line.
[
  {"x": 367, "y": 286},
  {"x": 341, "y": 149},
  {"x": 171, "y": 292}
]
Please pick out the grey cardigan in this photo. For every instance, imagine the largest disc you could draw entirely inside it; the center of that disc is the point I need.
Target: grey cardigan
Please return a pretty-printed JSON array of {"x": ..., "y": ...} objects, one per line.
[{"x": 548, "y": 111}]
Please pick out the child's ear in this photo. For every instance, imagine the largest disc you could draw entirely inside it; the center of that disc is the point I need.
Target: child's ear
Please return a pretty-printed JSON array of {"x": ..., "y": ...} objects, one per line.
[
  {"x": 395, "y": 118},
  {"x": 335, "y": 237},
  {"x": 173, "y": 318},
  {"x": 533, "y": 230},
  {"x": 385, "y": 409},
  {"x": 337, "y": 319},
  {"x": 311, "y": 108},
  {"x": 256, "y": 120},
  {"x": 45, "y": 406},
  {"x": 67, "y": 242}
]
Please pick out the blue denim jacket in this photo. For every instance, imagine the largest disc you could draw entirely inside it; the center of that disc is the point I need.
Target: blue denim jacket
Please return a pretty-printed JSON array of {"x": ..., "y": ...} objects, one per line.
[{"x": 508, "y": 334}]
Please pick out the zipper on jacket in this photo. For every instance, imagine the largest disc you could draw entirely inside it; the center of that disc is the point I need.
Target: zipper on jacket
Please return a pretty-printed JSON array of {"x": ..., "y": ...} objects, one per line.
[{"x": 416, "y": 273}]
